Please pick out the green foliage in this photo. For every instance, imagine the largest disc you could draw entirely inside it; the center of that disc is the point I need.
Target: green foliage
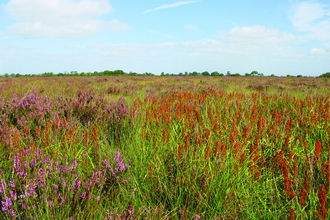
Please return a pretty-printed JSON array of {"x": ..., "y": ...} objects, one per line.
[
  {"x": 205, "y": 73},
  {"x": 327, "y": 74},
  {"x": 215, "y": 73}
]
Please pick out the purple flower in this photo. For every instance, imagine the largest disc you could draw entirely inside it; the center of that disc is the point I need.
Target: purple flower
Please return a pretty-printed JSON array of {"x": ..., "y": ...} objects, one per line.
[
  {"x": 17, "y": 165},
  {"x": 83, "y": 195},
  {"x": 50, "y": 203},
  {"x": 197, "y": 217},
  {"x": 11, "y": 183},
  {"x": 76, "y": 185},
  {"x": 6, "y": 205},
  {"x": 13, "y": 195}
]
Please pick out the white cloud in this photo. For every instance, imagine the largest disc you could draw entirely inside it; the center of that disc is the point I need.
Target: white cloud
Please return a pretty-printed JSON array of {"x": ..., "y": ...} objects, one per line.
[
  {"x": 176, "y": 4},
  {"x": 162, "y": 34},
  {"x": 319, "y": 51},
  {"x": 257, "y": 41},
  {"x": 60, "y": 18},
  {"x": 312, "y": 17},
  {"x": 257, "y": 35},
  {"x": 192, "y": 27}
]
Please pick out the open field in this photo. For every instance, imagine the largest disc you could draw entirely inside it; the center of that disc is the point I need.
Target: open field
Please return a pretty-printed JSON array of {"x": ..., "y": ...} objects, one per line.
[{"x": 164, "y": 148}]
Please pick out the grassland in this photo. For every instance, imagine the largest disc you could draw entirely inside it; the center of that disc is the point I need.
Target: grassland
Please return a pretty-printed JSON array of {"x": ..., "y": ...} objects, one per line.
[{"x": 164, "y": 148}]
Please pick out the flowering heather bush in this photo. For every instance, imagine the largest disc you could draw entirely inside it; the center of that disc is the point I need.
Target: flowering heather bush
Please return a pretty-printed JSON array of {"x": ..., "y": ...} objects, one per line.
[
  {"x": 34, "y": 110},
  {"x": 41, "y": 187}
]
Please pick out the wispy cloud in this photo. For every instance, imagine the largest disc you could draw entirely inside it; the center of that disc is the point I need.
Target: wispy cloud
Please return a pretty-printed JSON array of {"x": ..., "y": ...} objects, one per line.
[
  {"x": 176, "y": 4},
  {"x": 192, "y": 27},
  {"x": 164, "y": 35},
  {"x": 312, "y": 17}
]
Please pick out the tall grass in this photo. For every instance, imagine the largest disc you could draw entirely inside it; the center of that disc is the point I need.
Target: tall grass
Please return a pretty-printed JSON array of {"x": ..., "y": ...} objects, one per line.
[{"x": 195, "y": 151}]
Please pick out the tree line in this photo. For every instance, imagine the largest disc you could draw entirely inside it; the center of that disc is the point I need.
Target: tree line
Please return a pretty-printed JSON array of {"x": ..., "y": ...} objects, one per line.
[{"x": 122, "y": 73}]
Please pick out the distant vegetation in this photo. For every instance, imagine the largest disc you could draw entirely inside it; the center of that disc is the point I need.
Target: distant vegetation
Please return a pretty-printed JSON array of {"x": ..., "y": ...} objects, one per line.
[{"x": 122, "y": 73}]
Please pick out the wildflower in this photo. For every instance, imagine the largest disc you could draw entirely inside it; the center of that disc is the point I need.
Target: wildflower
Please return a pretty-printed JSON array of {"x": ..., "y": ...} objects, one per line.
[{"x": 11, "y": 183}]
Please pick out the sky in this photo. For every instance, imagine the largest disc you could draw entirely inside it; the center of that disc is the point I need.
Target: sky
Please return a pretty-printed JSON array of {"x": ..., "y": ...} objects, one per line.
[{"x": 272, "y": 37}]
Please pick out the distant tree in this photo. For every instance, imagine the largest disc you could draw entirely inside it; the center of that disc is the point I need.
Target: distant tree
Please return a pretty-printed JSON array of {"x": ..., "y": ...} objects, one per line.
[
  {"x": 148, "y": 74},
  {"x": 180, "y": 74},
  {"x": 17, "y": 75},
  {"x": 186, "y": 73},
  {"x": 215, "y": 73},
  {"x": 272, "y": 75},
  {"x": 118, "y": 73},
  {"x": 205, "y": 73},
  {"x": 288, "y": 75},
  {"x": 133, "y": 74},
  {"x": 299, "y": 76},
  {"x": 236, "y": 74},
  {"x": 255, "y": 73},
  {"x": 47, "y": 74},
  {"x": 194, "y": 74},
  {"x": 228, "y": 73},
  {"x": 6, "y": 75},
  {"x": 221, "y": 74},
  {"x": 162, "y": 74},
  {"x": 167, "y": 74},
  {"x": 327, "y": 74}
]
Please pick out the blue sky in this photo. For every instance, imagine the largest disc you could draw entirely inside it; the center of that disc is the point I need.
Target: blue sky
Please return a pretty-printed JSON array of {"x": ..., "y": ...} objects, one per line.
[{"x": 273, "y": 37}]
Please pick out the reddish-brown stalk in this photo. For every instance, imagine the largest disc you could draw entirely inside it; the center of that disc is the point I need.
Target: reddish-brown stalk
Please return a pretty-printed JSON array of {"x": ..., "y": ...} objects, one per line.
[
  {"x": 204, "y": 138},
  {"x": 155, "y": 140},
  {"x": 303, "y": 197},
  {"x": 57, "y": 121},
  {"x": 26, "y": 130},
  {"x": 223, "y": 149},
  {"x": 207, "y": 153},
  {"x": 64, "y": 123},
  {"x": 292, "y": 214},
  {"x": 183, "y": 133},
  {"x": 37, "y": 132},
  {"x": 179, "y": 153},
  {"x": 287, "y": 181},
  {"x": 317, "y": 151},
  {"x": 290, "y": 156},
  {"x": 164, "y": 135},
  {"x": 232, "y": 139},
  {"x": 323, "y": 210},
  {"x": 216, "y": 148}
]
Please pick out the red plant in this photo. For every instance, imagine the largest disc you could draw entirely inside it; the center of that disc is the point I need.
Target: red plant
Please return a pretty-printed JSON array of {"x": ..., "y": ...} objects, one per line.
[
  {"x": 207, "y": 153},
  {"x": 323, "y": 199},
  {"x": 216, "y": 148},
  {"x": 303, "y": 197},
  {"x": 179, "y": 154},
  {"x": 292, "y": 214},
  {"x": 317, "y": 151}
]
